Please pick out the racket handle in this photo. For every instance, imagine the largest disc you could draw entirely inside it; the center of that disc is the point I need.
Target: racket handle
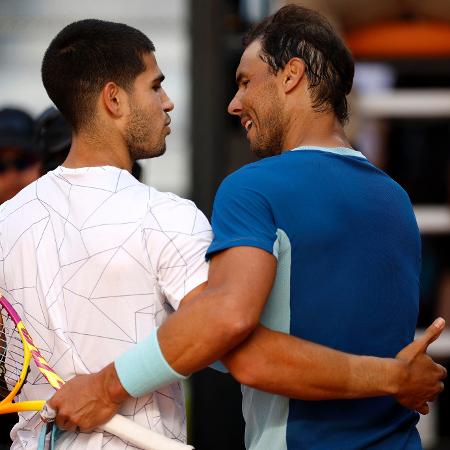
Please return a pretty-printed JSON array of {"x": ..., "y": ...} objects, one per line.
[{"x": 140, "y": 436}]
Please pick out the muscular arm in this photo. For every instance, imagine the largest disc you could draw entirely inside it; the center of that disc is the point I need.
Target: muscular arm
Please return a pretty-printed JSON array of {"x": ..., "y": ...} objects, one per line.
[
  {"x": 285, "y": 365},
  {"x": 221, "y": 322},
  {"x": 223, "y": 314},
  {"x": 289, "y": 366},
  {"x": 279, "y": 363},
  {"x": 276, "y": 362}
]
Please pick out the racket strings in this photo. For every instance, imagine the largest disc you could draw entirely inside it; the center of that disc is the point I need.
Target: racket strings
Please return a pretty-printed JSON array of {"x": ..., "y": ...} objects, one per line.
[{"x": 11, "y": 354}]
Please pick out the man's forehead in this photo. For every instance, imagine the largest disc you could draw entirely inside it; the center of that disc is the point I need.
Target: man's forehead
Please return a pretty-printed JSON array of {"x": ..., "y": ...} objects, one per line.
[
  {"x": 151, "y": 65},
  {"x": 149, "y": 60},
  {"x": 250, "y": 59}
]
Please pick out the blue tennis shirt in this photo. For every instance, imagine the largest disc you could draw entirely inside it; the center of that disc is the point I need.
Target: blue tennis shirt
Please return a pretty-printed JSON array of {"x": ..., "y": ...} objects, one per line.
[{"x": 348, "y": 251}]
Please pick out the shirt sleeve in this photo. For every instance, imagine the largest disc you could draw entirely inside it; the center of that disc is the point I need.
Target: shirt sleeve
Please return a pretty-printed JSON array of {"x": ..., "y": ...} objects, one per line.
[
  {"x": 177, "y": 235},
  {"x": 242, "y": 215}
]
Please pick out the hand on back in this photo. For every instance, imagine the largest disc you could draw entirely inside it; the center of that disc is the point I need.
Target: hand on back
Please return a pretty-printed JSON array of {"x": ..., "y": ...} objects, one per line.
[{"x": 423, "y": 378}]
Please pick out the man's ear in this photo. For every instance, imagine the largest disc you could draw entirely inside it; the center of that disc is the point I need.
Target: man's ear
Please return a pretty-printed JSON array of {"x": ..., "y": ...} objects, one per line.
[
  {"x": 293, "y": 73},
  {"x": 114, "y": 99}
]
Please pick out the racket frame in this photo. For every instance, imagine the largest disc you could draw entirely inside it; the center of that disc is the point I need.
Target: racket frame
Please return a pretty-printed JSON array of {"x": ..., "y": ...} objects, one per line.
[
  {"x": 118, "y": 425},
  {"x": 6, "y": 405}
]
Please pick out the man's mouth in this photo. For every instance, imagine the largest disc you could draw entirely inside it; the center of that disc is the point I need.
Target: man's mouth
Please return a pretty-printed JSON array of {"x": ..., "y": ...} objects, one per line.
[
  {"x": 247, "y": 124},
  {"x": 166, "y": 125}
]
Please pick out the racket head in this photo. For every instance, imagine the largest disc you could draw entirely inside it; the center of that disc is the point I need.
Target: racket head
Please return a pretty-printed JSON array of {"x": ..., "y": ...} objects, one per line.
[
  {"x": 29, "y": 348},
  {"x": 14, "y": 353},
  {"x": 122, "y": 427},
  {"x": 16, "y": 350}
]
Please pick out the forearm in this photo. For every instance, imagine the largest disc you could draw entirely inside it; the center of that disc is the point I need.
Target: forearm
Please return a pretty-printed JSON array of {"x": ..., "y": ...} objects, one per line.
[
  {"x": 282, "y": 364},
  {"x": 218, "y": 318},
  {"x": 213, "y": 321}
]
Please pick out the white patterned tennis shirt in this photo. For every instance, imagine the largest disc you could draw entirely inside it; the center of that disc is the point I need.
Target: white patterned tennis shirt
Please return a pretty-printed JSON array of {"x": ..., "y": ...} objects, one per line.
[{"x": 93, "y": 260}]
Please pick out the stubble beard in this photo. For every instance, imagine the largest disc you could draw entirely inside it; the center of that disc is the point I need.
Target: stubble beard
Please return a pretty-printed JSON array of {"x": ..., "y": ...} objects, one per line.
[
  {"x": 138, "y": 136},
  {"x": 269, "y": 139},
  {"x": 268, "y": 143}
]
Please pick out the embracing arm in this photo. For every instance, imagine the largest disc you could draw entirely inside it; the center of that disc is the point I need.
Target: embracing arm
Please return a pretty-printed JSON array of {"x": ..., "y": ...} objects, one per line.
[
  {"x": 216, "y": 321},
  {"x": 221, "y": 322},
  {"x": 282, "y": 364},
  {"x": 209, "y": 325},
  {"x": 222, "y": 315},
  {"x": 285, "y": 365}
]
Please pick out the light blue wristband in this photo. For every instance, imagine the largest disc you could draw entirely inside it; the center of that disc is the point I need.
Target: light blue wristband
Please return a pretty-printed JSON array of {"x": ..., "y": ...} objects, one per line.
[{"x": 143, "y": 368}]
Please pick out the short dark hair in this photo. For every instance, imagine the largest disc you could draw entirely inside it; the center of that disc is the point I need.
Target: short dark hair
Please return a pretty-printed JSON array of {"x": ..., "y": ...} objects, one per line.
[
  {"x": 295, "y": 31},
  {"x": 86, "y": 55}
]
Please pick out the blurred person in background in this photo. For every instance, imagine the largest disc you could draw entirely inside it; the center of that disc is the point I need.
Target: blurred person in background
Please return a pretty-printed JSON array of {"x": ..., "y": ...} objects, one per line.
[
  {"x": 19, "y": 166},
  {"x": 53, "y": 138},
  {"x": 19, "y": 159}
]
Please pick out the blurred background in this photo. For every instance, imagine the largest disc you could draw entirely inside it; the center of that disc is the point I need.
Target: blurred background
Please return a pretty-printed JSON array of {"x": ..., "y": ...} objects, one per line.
[{"x": 400, "y": 120}]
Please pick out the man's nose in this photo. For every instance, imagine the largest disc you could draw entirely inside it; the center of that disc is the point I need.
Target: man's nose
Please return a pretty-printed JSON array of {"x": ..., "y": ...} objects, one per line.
[{"x": 234, "y": 107}]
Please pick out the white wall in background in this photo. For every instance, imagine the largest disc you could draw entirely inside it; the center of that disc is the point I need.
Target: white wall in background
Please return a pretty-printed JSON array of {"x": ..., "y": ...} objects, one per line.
[{"x": 27, "y": 27}]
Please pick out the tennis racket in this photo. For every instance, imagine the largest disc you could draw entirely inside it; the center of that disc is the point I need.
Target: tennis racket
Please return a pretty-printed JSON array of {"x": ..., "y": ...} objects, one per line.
[{"x": 16, "y": 352}]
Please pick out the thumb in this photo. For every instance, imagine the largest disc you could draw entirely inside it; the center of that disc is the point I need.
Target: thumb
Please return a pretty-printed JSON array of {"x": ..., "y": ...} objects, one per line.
[{"x": 430, "y": 335}]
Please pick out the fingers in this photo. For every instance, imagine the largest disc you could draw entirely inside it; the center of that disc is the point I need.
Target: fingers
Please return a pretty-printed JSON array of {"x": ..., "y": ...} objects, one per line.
[
  {"x": 69, "y": 422},
  {"x": 443, "y": 370},
  {"x": 66, "y": 425},
  {"x": 430, "y": 334},
  {"x": 424, "y": 409},
  {"x": 440, "y": 389},
  {"x": 52, "y": 412}
]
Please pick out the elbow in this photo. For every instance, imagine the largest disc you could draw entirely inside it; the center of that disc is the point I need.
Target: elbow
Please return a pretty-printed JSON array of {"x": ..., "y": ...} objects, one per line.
[
  {"x": 234, "y": 323},
  {"x": 245, "y": 376},
  {"x": 227, "y": 334},
  {"x": 248, "y": 374},
  {"x": 249, "y": 368},
  {"x": 236, "y": 329}
]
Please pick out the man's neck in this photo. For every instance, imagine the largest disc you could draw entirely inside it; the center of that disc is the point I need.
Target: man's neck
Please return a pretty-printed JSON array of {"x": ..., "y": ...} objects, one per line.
[
  {"x": 89, "y": 151},
  {"x": 318, "y": 129}
]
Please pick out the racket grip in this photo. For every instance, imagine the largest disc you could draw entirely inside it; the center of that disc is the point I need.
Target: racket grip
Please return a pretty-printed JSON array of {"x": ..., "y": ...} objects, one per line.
[
  {"x": 47, "y": 413},
  {"x": 140, "y": 436}
]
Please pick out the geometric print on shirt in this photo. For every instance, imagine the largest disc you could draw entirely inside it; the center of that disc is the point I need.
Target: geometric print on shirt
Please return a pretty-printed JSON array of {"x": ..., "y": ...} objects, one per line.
[{"x": 93, "y": 260}]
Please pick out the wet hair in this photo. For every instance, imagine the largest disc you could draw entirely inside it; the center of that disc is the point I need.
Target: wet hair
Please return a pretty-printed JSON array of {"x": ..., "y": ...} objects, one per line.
[
  {"x": 86, "y": 55},
  {"x": 295, "y": 31}
]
